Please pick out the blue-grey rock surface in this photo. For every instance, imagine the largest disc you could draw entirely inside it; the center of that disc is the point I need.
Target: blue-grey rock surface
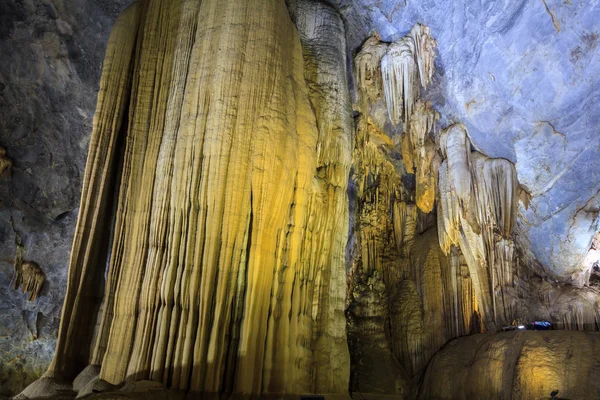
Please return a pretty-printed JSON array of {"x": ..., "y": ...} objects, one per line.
[
  {"x": 524, "y": 76},
  {"x": 51, "y": 58}
]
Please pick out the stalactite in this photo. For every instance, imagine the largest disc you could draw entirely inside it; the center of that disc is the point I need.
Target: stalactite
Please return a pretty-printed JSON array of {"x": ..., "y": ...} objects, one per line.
[
  {"x": 477, "y": 207},
  {"x": 27, "y": 274},
  {"x": 456, "y": 148},
  {"x": 406, "y": 67},
  {"x": 5, "y": 162},
  {"x": 419, "y": 152},
  {"x": 428, "y": 301},
  {"x": 405, "y": 225},
  {"x": 400, "y": 79},
  {"x": 368, "y": 69}
]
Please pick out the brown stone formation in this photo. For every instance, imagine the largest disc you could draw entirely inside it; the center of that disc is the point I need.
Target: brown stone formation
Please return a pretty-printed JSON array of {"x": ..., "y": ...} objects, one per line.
[
  {"x": 5, "y": 162},
  {"x": 226, "y": 269},
  {"x": 30, "y": 277},
  {"x": 516, "y": 365},
  {"x": 27, "y": 274}
]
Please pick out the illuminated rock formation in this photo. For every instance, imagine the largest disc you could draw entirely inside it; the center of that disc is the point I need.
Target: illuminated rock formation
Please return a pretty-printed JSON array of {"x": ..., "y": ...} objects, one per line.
[
  {"x": 406, "y": 297},
  {"x": 516, "y": 365},
  {"x": 477, "y": 208},
  {"x": 419, "y": 153},
  {"x": 30, "y": 277},
  {"x": 406, "y": 67},
  {"x": 226, "y": 269},
  {"x": 368, "y": 69}
]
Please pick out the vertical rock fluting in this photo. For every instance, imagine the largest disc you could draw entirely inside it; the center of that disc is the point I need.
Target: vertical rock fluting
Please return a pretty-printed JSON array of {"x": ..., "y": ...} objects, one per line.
[
  {"x": 407, "y": 67},
  {"x": 226, "y": 269},
  {"x": 87, "y": 264},
  {"x": 419, "y": 153},
  {"x": 323, "y": 41}
]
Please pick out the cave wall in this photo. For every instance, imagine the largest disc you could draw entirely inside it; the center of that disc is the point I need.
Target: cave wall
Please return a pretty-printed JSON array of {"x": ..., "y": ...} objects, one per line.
[{"x": 49, "y": 76}]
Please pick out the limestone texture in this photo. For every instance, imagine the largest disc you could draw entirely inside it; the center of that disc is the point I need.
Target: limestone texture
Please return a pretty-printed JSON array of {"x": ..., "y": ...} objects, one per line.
[
  {"x": 526, "y": 91},
  {"x": 226, "y": 229}
]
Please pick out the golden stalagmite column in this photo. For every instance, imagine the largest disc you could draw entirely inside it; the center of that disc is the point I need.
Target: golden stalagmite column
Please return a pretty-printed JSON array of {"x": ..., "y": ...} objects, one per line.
[{"x": 226, "y": 269}]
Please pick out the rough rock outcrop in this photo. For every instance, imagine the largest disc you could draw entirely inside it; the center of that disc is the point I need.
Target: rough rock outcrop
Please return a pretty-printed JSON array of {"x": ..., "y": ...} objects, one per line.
[{"x": 5, "y": 163}]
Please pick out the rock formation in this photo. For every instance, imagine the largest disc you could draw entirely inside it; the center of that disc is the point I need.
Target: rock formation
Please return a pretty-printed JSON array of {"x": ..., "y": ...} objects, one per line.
[
  {"x": 407, "y": 67},
  {"x": 239, "y": 235},
  {"x": 476, "y": 211},
  {"x": 226, "y": 267},
  {"x": 406, "y": 297},
  {"x": 28, "y": 274},
  {"x": 516, "y": 365},
  {"x": 30, "y": 277},
  {"x": 5, "y": 162}
]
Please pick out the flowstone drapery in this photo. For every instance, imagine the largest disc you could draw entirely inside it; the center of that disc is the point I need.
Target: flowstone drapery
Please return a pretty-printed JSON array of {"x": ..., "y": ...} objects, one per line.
[{"x": 225, "y": 229}]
